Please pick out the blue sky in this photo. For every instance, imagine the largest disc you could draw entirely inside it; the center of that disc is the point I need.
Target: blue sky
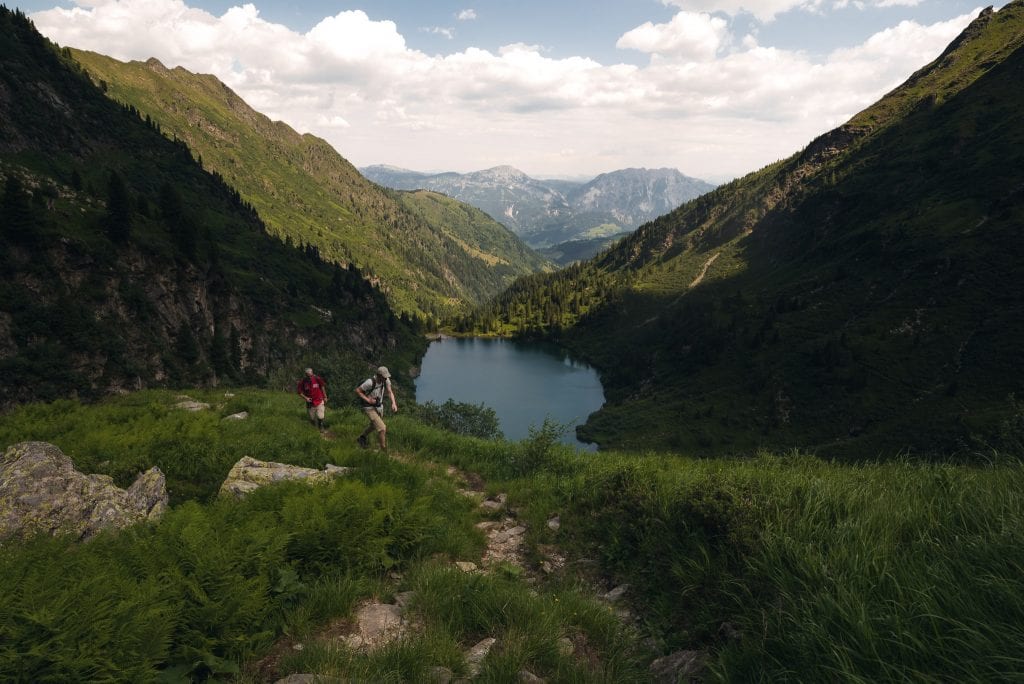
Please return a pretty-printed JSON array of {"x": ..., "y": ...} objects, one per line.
[{"x": 715, "y": 88}]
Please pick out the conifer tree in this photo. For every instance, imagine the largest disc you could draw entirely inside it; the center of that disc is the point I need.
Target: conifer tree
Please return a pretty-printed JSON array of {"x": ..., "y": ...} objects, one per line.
[
  {"x": 119, "y": 215},
  {"x": 16, "y": 210}
]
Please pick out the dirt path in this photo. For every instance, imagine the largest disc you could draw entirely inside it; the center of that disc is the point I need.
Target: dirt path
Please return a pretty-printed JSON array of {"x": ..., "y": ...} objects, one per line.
[{"x": 704, "y": 271}]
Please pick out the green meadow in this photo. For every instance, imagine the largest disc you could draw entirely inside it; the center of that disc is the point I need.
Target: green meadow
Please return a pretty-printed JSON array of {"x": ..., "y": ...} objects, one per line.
[{"x": 780, "y": 566}]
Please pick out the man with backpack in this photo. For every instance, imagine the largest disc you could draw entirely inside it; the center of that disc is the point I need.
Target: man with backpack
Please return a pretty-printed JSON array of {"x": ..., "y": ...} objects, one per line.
[
  {"x": 313, "y": 389},
  {"x": 371, "y": 397}
]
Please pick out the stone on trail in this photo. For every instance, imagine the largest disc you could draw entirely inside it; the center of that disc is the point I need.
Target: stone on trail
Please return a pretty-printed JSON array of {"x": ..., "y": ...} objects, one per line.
[
  {"x": 475, "y": 656},
  {"x": 249, "y": 474},
  {"x": 241, "y": 415},
  {"x": 40, "y": 491},
  {"x": 190, "y": 404}
]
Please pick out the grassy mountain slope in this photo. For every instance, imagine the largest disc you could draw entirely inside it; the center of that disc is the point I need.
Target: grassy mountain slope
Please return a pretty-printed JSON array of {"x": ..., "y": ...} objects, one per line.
[
  {"x": 125, "y": 264},
  {"x": 306, "y": 191},
  {"x": 772, "y": 568},
  {"x": 863, "y": 296}
]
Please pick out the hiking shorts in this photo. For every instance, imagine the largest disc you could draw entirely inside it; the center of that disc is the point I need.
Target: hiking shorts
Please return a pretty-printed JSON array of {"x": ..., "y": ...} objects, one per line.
[
  {"x": 317, "y": 412},
  {"x": 375, "y": 419}
]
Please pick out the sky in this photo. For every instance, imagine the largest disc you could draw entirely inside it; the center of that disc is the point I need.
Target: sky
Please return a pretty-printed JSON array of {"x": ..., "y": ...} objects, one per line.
[{"x": 556, "y": 88}]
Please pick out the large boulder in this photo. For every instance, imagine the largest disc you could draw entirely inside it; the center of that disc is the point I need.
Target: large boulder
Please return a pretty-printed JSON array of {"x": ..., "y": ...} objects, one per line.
[
  {"x": 40, "y": 491},
  {"x": 249, "y": 474}
]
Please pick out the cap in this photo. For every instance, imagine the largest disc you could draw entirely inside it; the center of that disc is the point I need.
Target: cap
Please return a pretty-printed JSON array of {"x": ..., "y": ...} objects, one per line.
[{"x": 384, "y": 372}]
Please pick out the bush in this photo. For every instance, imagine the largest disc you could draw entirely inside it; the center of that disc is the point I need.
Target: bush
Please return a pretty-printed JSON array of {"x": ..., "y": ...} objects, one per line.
[{"x": 470, "y": 420}]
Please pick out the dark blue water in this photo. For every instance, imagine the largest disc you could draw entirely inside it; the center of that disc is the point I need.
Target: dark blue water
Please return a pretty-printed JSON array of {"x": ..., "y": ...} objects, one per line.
[{"x": 522, "y": 382}]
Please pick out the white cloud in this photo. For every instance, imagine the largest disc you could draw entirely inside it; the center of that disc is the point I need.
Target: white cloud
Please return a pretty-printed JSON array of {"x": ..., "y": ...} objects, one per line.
[
  {"x": 692, "y": 36},
  {"x": 707, "y": 102},
  {"x": 447, "y": 32},
  {"x": 466, "y": 15},
  {"x": 768, "y": 10}
]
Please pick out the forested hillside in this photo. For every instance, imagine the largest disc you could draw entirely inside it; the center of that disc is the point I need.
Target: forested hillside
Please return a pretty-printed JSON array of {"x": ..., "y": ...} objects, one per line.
[
  {"x": 309, "y": 194},
  {"x": 123, "y": 264},
  {"x": 862, "y": 297}
]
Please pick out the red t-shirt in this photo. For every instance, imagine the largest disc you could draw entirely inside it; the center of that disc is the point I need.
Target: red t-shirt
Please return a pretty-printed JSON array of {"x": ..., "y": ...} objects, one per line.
[{"x": 313, "y": 387}]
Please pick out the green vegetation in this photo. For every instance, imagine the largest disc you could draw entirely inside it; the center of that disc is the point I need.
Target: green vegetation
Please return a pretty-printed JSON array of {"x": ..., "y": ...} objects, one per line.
[
  {"x": 126, "y": 265},
  {"x": 861, "y": 298},
  {"x": 434, "y": 256},
  {"x": 876, "y": 572}
]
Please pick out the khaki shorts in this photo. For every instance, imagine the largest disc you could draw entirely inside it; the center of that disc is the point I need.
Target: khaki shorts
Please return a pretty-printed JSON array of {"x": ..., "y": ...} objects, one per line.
[
  {"x": 317, "y": 412},
  {"x": 375, "y": 419}
]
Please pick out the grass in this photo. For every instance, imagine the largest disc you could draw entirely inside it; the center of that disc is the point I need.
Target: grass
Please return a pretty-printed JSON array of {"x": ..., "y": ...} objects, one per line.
[{"x": 872, "y": 572}]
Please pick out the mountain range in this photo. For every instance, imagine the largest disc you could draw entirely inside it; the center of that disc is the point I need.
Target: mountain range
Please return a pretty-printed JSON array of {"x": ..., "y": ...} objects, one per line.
[
  {"x": 547, "y": 212},
  {"x": 309, "y": 194},
  {"x": 863, "y": 297}
]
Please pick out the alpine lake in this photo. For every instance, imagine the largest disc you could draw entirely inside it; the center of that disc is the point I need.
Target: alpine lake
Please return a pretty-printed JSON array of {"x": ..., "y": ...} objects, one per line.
[{"x": 524, "y": 382}]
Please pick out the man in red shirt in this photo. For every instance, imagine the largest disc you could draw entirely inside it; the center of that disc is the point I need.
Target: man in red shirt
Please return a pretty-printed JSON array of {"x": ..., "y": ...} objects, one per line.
[{"x": 313, "y": 389}]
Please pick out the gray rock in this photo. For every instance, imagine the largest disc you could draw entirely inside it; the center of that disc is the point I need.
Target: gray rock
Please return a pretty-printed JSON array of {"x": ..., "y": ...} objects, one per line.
[
  {"x": 555, "y": 523},
  {"x": 40, "y": 491},
  {"x": 527, "y": 677},
  {"x": 616, "y": 593},
  {"x": 192, "y": 405},
  {"x": 242, "y": 415},
  {"x": 378, "y": 624},
  {"x": 681, "y": 666},
  {"x": 249, "y": 473},
  {"x": 475, "y": 656},
  {"x": 300, "y": 679}
]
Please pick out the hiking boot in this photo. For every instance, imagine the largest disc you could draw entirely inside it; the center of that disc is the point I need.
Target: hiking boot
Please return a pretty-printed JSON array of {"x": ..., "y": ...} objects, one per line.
[{"x": 363, "y": 444}]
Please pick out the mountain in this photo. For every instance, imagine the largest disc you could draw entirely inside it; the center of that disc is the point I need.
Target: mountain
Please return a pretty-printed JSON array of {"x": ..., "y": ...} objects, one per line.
[
  {"x": 307, "y": 192},
  {"x": 548, "y": 212},
  {"x": 124, "y": 264},
  {"x": 862, "y": 297}
]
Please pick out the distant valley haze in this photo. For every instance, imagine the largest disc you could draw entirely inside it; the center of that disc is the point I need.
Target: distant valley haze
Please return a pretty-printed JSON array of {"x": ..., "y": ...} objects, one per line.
[{"x": 567, "y": 89}]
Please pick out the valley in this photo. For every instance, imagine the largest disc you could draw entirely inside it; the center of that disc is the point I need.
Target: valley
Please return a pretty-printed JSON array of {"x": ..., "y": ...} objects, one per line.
[{"x": 808, "y": 429}]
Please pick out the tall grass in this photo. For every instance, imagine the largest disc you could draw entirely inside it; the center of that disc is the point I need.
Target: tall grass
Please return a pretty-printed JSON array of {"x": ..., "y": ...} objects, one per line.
[{"x": 830, "y": 572}]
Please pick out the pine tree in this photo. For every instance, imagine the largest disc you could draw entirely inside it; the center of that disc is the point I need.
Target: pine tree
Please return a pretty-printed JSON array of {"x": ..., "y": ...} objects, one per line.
[
  {"x": 119, "y": 215},
  {"x": 19, "y": 219}
]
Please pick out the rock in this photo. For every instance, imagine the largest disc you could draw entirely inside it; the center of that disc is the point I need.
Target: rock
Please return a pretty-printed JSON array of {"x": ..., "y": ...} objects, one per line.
[
  {"x": 492, "y": 505},
  {"x": 681, "y": 666},
  {"x": 403, "y": 598},
  {"x": 248, "y": 474},
  {"x": 40, "y": 491},
  {"x": 242, "y": 415},
  {"x": 378, "y": 624},
  {"x": 475, "y": 656},
  {"x": 192, "y": 405},
  {"x": 616, "y": 593},
  {"x": 301, "y": 679},
  {"x": 555, "y": 523},
  {"x": 487, "y": 525},
  {"x": 566, "y": 647},
  {"x": 527, "y": 677},
  {"x": 465, "y": 566}
]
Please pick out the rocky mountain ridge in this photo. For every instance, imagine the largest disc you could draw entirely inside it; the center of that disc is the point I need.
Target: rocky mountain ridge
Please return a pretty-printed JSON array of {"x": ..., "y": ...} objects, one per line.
[{"x": 548, "y": 212}]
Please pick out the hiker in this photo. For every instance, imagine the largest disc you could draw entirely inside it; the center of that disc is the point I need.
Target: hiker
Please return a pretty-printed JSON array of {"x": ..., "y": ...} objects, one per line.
[
  {"x": 371, "y": 396},
  {"x": 313, "y": 389}
]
